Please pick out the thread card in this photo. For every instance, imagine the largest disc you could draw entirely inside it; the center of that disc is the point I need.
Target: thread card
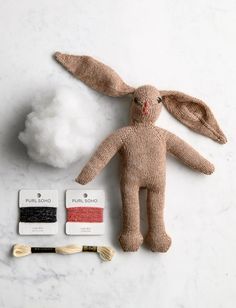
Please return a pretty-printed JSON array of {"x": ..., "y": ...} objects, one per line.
[
  {"x": 85, "y": 212},
  {"x": 38, "y": 212}
]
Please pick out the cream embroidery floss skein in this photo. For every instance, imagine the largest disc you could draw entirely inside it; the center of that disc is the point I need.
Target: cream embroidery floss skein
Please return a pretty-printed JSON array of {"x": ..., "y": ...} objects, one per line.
[{"x": 105, "y": 253}]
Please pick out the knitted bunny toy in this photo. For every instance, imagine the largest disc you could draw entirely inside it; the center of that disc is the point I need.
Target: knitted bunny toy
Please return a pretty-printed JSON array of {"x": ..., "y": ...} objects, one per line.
[{"x": 143, "y": 146}]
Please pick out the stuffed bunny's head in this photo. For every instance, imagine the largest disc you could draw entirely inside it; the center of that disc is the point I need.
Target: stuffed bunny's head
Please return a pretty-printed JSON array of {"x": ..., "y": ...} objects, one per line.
[{"x": 146, "y": 105}]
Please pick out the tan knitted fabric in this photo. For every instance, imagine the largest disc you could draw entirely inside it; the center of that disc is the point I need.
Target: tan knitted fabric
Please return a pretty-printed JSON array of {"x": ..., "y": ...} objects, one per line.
[
  {"x": 194, "y": 113},
  {"x": 89, "y": 71},
  {"x": 143, "y": 147}
]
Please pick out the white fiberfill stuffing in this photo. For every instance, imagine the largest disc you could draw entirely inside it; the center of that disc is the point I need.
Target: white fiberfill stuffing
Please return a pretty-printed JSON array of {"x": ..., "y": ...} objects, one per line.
[{"x": 59, "y": 131}]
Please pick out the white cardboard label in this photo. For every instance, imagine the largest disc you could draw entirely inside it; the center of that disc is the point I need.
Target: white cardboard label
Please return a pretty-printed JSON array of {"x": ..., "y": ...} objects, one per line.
[
  {"x": 85, "y": 198},
  {"x": 38, "y": 198}
]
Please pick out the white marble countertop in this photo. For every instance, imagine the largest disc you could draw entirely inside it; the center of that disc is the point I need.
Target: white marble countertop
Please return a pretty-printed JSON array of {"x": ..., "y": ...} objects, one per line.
[{"x": 184, "y": 45}]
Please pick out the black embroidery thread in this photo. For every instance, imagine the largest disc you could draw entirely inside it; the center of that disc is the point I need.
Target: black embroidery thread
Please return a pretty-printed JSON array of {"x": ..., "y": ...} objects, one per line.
[{"x": 38, "y": 214}]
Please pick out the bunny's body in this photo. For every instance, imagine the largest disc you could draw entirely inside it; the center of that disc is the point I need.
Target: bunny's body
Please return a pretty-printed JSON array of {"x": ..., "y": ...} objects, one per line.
[
  {"x": 146, "y": 162},
  {"x": 143, "y": 147}
]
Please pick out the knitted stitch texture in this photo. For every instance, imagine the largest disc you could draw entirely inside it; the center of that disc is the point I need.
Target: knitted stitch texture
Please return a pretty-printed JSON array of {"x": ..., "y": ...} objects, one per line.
[{"x": 143, "y": 148}]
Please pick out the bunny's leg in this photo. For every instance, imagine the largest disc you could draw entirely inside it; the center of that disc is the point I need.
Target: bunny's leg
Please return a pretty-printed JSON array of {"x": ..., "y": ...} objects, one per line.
[
  {"x": 130, "y": 238},
  {"x": 157, "y": 239}
]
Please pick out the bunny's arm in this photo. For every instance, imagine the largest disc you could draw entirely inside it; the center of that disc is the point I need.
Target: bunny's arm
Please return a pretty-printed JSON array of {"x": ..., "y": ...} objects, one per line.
[
  {"x": 187, "y": 154},
  {"x": 107, "y": 149}
]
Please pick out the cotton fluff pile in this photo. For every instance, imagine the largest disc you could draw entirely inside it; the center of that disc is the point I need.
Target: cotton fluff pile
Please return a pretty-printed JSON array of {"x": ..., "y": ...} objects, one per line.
[{"x": 59, "y": 131}]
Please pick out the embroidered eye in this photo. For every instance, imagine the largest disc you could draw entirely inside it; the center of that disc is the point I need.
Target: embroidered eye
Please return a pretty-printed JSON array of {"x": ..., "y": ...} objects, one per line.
[
  {"x": 159, "y": 99},
  {"x": 137, "y": 101}
]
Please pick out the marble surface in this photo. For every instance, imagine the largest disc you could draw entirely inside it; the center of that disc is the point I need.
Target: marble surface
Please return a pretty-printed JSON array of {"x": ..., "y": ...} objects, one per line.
[{"x": 183, "y": 45}]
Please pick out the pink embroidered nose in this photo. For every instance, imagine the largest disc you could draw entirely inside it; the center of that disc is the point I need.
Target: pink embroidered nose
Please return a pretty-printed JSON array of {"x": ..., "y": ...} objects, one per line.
[{"x": 145, "y": 109}]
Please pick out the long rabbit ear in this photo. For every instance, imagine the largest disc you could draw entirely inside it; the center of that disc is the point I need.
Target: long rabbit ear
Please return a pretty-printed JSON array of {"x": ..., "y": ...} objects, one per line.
[
  {"x": 194, "y": 113},
  {"x": 95, "y": 74}
]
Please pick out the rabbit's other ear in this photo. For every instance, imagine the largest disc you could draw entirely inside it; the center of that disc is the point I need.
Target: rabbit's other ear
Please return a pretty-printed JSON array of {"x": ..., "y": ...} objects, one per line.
[
  {"x": 94, "y": 74},
  {"x": 194, "y": 113}
]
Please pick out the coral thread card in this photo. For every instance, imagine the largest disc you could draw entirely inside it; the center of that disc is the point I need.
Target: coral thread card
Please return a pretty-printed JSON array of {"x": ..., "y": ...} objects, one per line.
[{"x": 85, "y": 212}]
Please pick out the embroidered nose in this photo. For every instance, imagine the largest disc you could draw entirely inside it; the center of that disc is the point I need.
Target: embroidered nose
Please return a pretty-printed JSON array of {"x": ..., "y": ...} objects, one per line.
[{"x": 145, "y": 109}]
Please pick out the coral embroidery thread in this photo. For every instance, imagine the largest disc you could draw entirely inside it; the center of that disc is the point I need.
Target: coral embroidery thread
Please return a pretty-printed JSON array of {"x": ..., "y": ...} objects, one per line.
[{"x": 85, "y": 214}]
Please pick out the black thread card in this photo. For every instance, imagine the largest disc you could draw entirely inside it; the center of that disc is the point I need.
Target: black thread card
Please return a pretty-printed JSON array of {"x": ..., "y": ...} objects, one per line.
[{"x": 41, "y": 206}]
